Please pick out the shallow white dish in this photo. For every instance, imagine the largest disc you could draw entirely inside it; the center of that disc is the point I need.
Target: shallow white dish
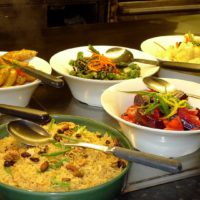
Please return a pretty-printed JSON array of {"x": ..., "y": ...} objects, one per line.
[
  {"x": 20, "y": 95},
  {"x": 149, "y": 46},
  {"x": 88, "y": 90},
  {"x": 156, "y": 141}
]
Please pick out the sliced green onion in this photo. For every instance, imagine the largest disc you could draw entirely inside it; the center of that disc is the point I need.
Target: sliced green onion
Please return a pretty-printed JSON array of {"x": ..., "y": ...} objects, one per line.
[
  {"x": 56, "y": 183},
  {"x": 164, "y": 106},
  {"x": 57, "y": 152},
  {"x": 151, "y": 107},
  {"x": 58, "y": 164},
  {"x": 51, "y": 124}
]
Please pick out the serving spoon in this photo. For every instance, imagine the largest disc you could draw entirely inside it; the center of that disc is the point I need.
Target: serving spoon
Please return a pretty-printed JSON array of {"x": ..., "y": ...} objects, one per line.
[
  {"x": 31, "y": 133},
  {"x": 164, "y": 86},
  {"x": 123, "y": 55}
]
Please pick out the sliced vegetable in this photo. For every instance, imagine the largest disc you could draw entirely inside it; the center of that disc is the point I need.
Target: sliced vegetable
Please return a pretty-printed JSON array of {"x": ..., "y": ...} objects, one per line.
[
  {"x": 190, "y": 116},
  {"x": 58, "y": 164},
  {"x": 57, "y": 152},
  {"x": 51, "y": 124},
  {"x": 91, "y": 48},
  {"x": 174, "y": 124},
  {"x": 56, "y": 183},
  {"x": 162, "y": 110}
]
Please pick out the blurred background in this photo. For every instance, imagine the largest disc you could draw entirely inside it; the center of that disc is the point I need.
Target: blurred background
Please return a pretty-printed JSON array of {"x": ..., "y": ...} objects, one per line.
[{"x": 111, "y": 22}]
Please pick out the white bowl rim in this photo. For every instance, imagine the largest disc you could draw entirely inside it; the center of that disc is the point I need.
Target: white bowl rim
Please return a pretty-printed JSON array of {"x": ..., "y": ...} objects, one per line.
[
  {"x": 144, "y": 43},
  {"x": 157, "y": 131},
  {"x": 165, "y": 36},
  {"x": 17, "y": 87},
  {"x": 168, "y": 36},
  {"x": 178, "y": 36}
]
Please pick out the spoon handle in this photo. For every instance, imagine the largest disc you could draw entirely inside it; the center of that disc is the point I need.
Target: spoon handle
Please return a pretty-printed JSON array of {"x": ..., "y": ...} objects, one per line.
[
  {"x": 191, "y": 67},
  {"x": 145, "y": 61},
  {"x": 180, "y": 66},
  {"x": 159, "y": 162},
  {"x": 193, "y": 95},
  {"x": 25, "y": 113}
]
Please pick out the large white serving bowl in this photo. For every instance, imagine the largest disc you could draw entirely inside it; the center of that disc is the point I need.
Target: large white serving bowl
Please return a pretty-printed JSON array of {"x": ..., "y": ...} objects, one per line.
[
  {"x": 88, "y": 90},
  {"x": 156, "y": 141},
  {"x": 151, "y": 47},
  {"x": 20, "y": 95}
]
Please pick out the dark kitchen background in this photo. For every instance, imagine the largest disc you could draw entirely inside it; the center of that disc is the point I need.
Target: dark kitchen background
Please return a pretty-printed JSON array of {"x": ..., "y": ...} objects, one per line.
[{"x": 93, "y": 21}]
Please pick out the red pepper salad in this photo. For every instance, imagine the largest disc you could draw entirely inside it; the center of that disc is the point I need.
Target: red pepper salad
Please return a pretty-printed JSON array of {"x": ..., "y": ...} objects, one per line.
[{"x": 163, "y": 111}]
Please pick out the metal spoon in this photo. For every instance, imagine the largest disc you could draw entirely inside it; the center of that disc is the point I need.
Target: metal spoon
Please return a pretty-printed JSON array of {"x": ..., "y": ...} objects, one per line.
[
  {"x": 164, "y": 86},
  {"x": 33, "y": 134},
  {"x": 119, "y": 55},
  {"x": 48, "y": 79},
  {"x": 123, "y": 55}
]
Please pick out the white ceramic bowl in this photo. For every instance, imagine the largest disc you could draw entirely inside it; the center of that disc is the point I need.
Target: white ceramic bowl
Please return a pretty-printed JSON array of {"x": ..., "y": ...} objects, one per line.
[
  {"x": 88, "y": 90},
  {"x": 21, "y": 95},
  {"x": 149, "y": 46},
  {"x": 156, "y": 141}
]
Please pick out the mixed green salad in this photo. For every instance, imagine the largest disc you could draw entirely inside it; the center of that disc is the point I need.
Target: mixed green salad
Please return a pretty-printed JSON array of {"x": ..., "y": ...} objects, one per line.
[{"x": 97, "y": 66}]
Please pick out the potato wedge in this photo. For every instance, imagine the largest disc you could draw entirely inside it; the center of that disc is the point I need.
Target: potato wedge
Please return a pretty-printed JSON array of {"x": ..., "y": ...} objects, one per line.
[
  {"x": 20, "y": 80},
  {"x": 11, "y": 78},
  {"x": 2, "y": 62},
  {"x": 4, "y": 73},
  {"x": 29, "y": 78}
]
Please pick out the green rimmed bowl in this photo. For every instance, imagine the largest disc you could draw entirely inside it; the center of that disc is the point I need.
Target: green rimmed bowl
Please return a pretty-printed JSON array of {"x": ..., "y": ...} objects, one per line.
[{"x": 106, "y": 191}]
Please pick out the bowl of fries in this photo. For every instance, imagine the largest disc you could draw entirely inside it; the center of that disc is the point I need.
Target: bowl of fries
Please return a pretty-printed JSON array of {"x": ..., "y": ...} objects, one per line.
[
  {"x": 17, "y": 87},
  {"x": 88, "y": 72}
]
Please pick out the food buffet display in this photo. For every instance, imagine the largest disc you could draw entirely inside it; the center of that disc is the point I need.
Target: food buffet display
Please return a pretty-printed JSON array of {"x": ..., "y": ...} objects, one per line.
[
  {"x": 66, "y": 172},
  {"x": 153, "y": 122}
]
